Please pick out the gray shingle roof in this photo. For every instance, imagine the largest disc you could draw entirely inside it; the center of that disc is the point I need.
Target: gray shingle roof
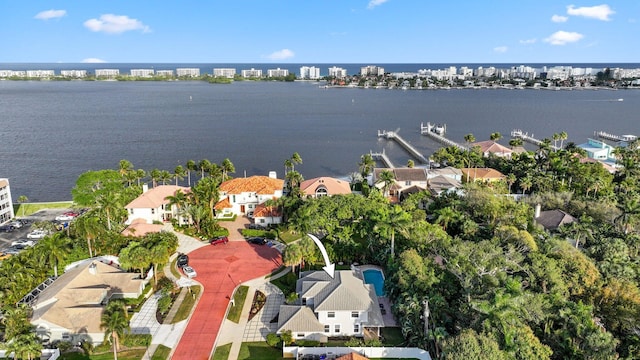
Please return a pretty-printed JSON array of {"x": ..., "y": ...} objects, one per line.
[{"x": 298, "y": 319}]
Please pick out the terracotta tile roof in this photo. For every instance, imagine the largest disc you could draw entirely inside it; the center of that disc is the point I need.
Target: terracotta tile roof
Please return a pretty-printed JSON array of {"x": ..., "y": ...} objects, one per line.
[
  {"x": 482, "y": 173},
  {"x": 262, "y": 185},
  {"x": 263, "y": 211},
  {"x": 493, "y": 147},
  {"x": 223, "y": 204},
  {"x": 352, "y": 356},
  {"x": 333, "y": 186},
  {"x": 155, "y": 197},
  {"x": 139, "y": 228}
]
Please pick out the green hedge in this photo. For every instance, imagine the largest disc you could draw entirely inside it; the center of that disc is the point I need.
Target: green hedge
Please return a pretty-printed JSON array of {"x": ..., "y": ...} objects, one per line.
[{"x": 136, "y": 340}]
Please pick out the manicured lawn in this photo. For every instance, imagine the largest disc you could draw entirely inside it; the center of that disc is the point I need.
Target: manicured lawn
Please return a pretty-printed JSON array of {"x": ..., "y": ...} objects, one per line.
[
  {"x": 162, "y": 353},
  {"x": 30, "y": 208},
  {"x": 238, "y": 299},
  {"x": 222, "y": 352},
  {"x": 392, "y": 336},
  {"x": 174, "y": 269},
  {"x": 259, "y": 350},
  {"x": 287, "y": 236},
  {"x": 187, "y": 304},
  {"x": 122, "y": 355}
]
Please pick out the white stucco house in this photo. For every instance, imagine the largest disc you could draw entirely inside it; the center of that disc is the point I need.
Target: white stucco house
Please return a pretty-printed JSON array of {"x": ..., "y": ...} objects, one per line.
[
  {"x": 340, "y": 306},
  {"x": 152, "y": 205},
  {"x": 241, "y": 196}
]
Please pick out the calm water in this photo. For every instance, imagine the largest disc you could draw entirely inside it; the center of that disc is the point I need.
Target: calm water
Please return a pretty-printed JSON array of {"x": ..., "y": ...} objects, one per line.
[{"x": 54, "y": 131}]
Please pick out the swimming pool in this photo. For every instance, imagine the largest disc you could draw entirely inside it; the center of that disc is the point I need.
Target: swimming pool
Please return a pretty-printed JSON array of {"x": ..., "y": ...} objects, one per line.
[{"x": 374, "y": 277}]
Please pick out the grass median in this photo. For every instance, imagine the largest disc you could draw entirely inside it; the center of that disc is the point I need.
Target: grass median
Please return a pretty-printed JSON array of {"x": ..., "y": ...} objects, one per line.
[{"x": 239, "y": 298}]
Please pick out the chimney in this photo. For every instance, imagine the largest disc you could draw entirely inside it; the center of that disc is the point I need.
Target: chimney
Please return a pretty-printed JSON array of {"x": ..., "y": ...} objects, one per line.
[
  {"x": 536, "y": 214},
  {"x": 93, "y": 269},
  {"x": 145, "y": 188},
  {"x": 272, "y": 174}
]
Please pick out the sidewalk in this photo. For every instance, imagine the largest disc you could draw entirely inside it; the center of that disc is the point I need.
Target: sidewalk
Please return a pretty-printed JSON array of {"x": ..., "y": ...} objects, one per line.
[{"x": 258, "y": 328}]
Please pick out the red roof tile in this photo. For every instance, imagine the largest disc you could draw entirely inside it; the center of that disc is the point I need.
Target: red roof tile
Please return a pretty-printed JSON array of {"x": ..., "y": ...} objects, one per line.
[{"x": 262, "y": 185}]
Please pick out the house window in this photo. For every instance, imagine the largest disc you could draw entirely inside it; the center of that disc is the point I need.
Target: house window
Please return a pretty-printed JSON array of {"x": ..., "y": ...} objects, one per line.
[
  {"x": 250, "y": 206},
  {"x": 300, "y": 335},
  {"x": 261, "y": 221},
  {"x": 407, "y": 183},
  {"x": 153, "y": 211},
  {"x": 356, "y": 328},
  {"x": 331, "y": 314},
  {"x": 354, "y": 314},
  {"x": 304, "y": 301},
  {"x": 327, "y": 328},
  {"x": 233, "y": 199},
  {"x": 337, "y": 328}
]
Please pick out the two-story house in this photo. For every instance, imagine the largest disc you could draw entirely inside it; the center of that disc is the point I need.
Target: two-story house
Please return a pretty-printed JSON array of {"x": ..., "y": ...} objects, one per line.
[
  {"x": 324, "y": 186},
  {"x": 240, "y": 196},
  {"x": 340, "y": 306},
  {"x": 406, "y": 181},
  {"x": 152, "y": 205}
]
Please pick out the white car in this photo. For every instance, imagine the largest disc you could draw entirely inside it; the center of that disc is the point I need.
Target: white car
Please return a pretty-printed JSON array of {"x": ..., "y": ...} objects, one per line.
[
  {"x": 64, "y": 217},
  {"x": 16, "y": 224},
  {"x": 189, "y": 272},
  {"x": 37, "y": 234},
  {"x": 23, "y": 242}
]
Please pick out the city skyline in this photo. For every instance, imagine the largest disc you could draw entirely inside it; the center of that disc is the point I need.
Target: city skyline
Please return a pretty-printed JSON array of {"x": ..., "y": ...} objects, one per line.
[{"x": 353, "y": 31}]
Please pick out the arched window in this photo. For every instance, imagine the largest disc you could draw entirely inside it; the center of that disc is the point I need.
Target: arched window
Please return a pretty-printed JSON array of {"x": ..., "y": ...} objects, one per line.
[{"x": 321, "y": 191}]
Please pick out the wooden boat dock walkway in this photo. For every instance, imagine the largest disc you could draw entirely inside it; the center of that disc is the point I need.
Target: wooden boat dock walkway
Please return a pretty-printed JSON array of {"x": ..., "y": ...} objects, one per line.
[{"x": 393, "y": 135}]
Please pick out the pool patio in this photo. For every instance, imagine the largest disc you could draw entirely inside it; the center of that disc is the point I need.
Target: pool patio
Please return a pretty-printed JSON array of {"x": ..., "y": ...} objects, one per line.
[{"x": 383, "y": 301}]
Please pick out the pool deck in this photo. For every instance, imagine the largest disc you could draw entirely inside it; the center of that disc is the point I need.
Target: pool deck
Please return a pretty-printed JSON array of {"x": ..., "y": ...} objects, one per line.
[{"x": 383, "y": 301}]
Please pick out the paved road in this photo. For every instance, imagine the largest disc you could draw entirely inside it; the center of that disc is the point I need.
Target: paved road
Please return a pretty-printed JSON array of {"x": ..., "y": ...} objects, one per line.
[
  {"x": 6, "y": 238},
  {"x": 220, "y": 269}
]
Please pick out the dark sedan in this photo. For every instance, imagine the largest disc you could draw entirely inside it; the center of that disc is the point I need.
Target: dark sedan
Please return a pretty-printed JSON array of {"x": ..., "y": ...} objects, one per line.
[{"x": 257, "y": 240}]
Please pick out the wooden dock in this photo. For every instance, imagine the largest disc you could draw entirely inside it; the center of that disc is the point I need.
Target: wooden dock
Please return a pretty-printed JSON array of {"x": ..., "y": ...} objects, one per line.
[
  {"x": 519, "y": 134},
  {"x": 383, "y": 158},
  {"x": 393, "y": 135},
  {"x": 428, "y": 130},
  {"x": 616, "y": 138}
]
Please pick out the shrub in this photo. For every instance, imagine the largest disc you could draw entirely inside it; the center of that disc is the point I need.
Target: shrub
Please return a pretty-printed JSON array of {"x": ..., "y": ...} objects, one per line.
[
  {"x": 353, "y": 342},
  {"x": 63, "y": 346},
  {"x": 307, "y": 343},
  {"x": 273, "y": 339},
  {"x": 137, "y": 340},
  {"x": 164, "y": 303},
  {"x": 165, "y": 285}
]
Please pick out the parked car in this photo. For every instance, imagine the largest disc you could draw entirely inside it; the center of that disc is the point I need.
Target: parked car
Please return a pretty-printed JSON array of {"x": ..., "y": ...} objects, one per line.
[
  {"x": 189, "y": 272},
  {"x": 219, "y": 240},
  {"x": 255, "y": 226},
  {"x": 37, "y": 234},
  {"x": 64, "y": 217},
  {"x": 16, "y": 224},
  {"x": 183, "y": 260},
  {"x": 6, "y": 228},
  {"x": 257, "y": 240},
  {"x": 4, "y": 256},
  {"x": 14, "y": 250},
  {"x": 23, "y": 242}
]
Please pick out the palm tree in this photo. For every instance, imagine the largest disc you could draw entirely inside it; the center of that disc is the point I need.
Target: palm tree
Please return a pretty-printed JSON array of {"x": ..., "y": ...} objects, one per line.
[
  {"x": 165, "y": 176},
  {"x": 108, "y": 204},
  {"x": 387, "y": 178},
  {"x": 191, "y": 166},
  {"x": 294, "y": 179},
  {"x": 22, "y": 199},
  {"x": 526, "y": 183},
  {"x": 227, "y": 167},
  {"x": 630, "y": 209},
  {"x": 563, "y": 136},
  {"x": 394, "y": 220},
  {"x": 287, "y": 165},
  {"x": 54, "y": 249},
  {"x": 511, "y": 179},
  {"x": 140, "y": 174},
  {"x": 25, "y": 346},
  {"x": 292, "y": 256},
  {"x": 446, "y": 216},
  {"x": 158, "y": 254},
  {"x": 515, "y": 142},
  {"x": 410, "y": 164},
  {"x": 555, "y": 138},
  {"x": 204, "y": 165},
  {"x": 495, "y": 136},
  {"x": 179, "y": 199},
  {"x": 295, "y": 159},
  {"x": 155, "y": 176},
  {"x": 469, "y": 139},
  {"x": 366, "y": 165},
  {"x": 270, "y": 204},
  {"x": 89, "y": 227},
  {"x": 124, "y": 167},
  {"x": 178, "y": 173},
  {"x": 115, "y": 324}
]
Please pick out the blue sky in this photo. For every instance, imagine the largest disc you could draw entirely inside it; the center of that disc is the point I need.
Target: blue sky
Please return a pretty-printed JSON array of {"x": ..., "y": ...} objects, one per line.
[{"x": 320, "y": 31}]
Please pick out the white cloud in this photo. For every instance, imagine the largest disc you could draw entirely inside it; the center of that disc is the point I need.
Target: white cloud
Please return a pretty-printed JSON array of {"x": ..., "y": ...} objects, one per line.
[
  {"x": 115, "y": 24},
  {"x": 563, "y": 37},
  {"x": 500, "y": 49},
  {"x": 528, "y": 41},
  {"x": 50, "y": 14},
  {"x": 600, "y": 12},
  {"x": 93, "y": 60},
  {"x": 374, "y": 3},
  {"x": 281, "y": 55},
  {"x": 559, "y": 18}
]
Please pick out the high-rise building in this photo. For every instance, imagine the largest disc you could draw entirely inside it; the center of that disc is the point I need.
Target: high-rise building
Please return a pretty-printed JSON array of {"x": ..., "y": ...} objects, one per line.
[
  {"x": 142, "y": 72},
  {"x": 309, "y": 72},
  {"x": 252, "y": 73},
  {"x": 224, "y": 72},
  {"x": 277, "y": 72},
  {"x": 192, "y": 72},
  {"x": 6, "y": 204},
  {"x": 110, "y": 73},
  {"x": 371, "y": 70},
  {"x": 337, "y": 72}
]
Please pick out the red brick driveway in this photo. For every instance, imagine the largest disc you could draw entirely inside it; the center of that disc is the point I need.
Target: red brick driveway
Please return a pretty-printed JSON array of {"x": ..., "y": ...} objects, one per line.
[{"x": 220, "y": 269}]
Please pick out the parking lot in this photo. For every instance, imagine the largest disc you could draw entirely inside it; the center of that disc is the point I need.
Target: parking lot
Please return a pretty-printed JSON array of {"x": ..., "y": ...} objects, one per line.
[{"x": 6, "y": 238}]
